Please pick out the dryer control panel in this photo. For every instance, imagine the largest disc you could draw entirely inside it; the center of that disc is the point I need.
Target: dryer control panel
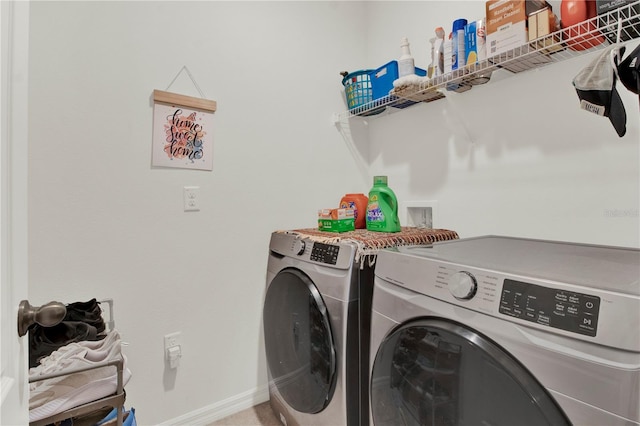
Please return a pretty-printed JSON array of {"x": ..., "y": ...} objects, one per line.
[
  {"x": 338, "y": 255},
  {"x": 567, "y": 310}
]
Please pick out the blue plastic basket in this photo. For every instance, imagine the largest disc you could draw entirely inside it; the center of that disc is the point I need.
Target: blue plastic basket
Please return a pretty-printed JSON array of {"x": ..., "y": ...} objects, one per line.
[
  {"x": 382, "y": 83},
  {"x": 357, "y": 88}
]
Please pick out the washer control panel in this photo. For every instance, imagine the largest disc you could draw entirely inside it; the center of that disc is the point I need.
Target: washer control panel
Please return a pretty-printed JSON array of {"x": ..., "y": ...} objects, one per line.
[
  {"x": 566, "y": 310},
  {"x": 325, "y": 253}
]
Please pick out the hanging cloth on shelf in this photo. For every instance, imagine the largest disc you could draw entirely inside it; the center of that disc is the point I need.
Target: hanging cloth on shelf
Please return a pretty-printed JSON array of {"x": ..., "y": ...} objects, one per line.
[
  {"x": 629, "y": 71},
  {"x": 596, "y": 88}
]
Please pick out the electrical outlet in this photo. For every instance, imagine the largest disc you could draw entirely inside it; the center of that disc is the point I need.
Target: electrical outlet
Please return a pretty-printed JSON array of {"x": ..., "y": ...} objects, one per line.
[
  {"x": 173, "y": 349},
  {"x": 171, "y": 340},
  {"x": 191, "y": 198}
]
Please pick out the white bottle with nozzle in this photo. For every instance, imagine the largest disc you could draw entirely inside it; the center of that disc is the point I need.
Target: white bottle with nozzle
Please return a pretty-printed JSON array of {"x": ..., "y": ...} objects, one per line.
[
  {"x": 406, "y": 65},
  {"x": 439, "y": 49}
]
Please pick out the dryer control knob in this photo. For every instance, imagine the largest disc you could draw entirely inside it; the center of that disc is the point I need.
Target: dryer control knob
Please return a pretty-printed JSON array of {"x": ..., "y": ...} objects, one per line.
[
  {"x": 298, "y": 247},
  {"x": 462, "y": 285}
]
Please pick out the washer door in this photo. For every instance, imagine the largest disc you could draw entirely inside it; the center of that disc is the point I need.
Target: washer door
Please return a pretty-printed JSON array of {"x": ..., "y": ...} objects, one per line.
[
  {"x": 299, "y": 344},
  {"x": 438, "y": 372}
]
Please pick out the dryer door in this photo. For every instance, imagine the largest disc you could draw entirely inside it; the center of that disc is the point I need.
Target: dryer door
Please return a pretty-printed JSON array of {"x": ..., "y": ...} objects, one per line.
[
  {"x": 438, "y": 372},
  {"x": 299, "y": 344}
]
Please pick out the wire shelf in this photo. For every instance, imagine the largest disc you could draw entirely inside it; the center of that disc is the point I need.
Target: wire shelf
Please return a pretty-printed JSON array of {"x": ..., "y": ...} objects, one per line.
[{"x": 622, "y": 24}]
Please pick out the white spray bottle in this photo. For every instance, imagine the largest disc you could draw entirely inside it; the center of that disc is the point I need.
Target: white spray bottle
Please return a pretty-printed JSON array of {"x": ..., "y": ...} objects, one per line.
[{"x": 406, "y": 65}]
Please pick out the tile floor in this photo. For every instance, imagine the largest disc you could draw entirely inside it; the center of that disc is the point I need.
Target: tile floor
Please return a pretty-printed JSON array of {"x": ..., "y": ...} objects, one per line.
[{"x": 259, "y": 415}]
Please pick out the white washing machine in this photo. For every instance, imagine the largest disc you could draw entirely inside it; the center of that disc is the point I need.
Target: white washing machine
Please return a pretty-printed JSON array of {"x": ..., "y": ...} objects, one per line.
[
  {"x": 506, "y": 331},
  {"x": 313, "y": 329}
]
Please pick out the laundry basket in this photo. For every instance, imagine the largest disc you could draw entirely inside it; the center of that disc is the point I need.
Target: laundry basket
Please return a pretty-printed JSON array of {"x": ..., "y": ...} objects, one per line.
[
  {"x": 358, "y": 91},
  {"x": 357, "y": 88}
]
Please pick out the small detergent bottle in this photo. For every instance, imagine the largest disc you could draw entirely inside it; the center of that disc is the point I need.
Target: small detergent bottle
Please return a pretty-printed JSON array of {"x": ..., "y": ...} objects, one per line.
[{"x": 382, "y": 209}]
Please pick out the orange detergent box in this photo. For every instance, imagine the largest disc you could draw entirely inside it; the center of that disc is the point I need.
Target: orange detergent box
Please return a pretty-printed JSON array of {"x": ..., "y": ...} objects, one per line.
[
  {"x": 507, "y": 23},
  {"x": 336, "y": 220}
]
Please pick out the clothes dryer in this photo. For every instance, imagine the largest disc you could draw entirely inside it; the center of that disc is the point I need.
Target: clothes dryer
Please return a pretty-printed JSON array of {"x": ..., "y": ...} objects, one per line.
[
  {"x": 497, "y": 330},
  {"x": 312, "y": 328}
]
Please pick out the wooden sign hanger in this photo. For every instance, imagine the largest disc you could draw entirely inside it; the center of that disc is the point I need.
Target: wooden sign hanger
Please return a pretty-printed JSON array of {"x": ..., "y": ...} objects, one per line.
[{"x": 166, "y": 97}]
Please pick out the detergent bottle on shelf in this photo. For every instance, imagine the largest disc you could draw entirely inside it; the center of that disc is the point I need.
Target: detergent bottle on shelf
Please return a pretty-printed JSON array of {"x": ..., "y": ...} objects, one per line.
[
  {"x": 382, "y": 209},
  {"x": 357, "y": 202}
]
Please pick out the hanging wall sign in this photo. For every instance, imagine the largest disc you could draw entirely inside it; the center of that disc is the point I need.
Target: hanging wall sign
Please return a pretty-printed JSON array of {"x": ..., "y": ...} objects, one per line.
[{"x": 182, "y": 131}]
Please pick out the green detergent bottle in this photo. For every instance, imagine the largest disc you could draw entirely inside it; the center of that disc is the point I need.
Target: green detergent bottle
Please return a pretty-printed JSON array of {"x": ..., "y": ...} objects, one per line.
[{"x": 382, "y": 209}]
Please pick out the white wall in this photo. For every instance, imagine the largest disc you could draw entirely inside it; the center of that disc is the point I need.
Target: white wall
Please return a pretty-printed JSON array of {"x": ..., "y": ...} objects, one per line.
[
  {"x": 516, "y": 156},
  {"x": 104, "y": 223}
]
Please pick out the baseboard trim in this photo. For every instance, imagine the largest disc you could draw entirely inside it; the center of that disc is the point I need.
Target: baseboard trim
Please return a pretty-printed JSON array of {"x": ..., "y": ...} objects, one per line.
[{"x": 222, "y": 409}]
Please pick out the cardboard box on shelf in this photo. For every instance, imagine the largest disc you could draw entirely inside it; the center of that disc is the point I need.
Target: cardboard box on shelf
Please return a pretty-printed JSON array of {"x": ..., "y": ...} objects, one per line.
[
  {"x": 336, "y": 220},
  {"x": 507, "y": 23},
  {"x": 542, "y": 24}
]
